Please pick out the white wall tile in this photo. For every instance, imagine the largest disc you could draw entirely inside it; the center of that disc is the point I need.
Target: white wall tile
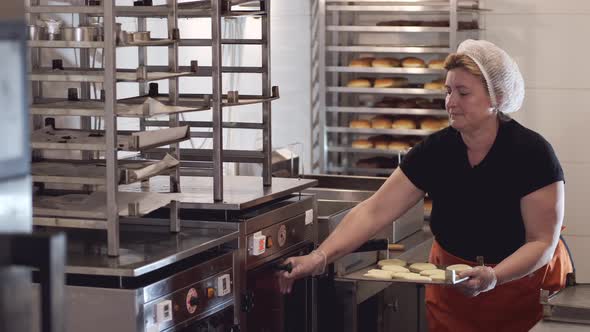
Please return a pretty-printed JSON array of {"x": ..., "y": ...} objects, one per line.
[
  {"x": 577, "y": 192},
  {"x": 579, "y": 247},
  {"x": 549, "y": 49},
  {"x": 562, "y": 117}
]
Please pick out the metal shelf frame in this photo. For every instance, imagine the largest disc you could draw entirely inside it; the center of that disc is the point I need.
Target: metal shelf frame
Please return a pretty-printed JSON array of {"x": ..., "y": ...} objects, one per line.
[
  {"x": 347, "y": 29},
  {"x": 108, "y": 109},
  {"x": 144, "y": 107}
]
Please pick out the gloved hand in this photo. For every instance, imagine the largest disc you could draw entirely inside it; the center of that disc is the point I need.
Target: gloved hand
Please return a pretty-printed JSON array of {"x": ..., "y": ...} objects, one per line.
[
  {"x": 312, "y": 264},
  {"x": 481, "y": 279}
]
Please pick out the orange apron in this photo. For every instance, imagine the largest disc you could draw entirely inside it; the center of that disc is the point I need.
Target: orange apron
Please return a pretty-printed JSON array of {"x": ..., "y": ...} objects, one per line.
[{"x": 513, "y": 306}]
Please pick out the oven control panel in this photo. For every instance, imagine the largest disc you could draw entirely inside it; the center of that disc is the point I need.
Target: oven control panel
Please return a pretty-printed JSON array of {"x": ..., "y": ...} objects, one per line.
[
  {"x": 192, "y": 301},
  {"x": 276, "y": 238}
]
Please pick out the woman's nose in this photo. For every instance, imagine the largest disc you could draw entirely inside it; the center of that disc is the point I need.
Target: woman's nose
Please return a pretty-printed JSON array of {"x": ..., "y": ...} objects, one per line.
[{"x": 450, "y": 100}]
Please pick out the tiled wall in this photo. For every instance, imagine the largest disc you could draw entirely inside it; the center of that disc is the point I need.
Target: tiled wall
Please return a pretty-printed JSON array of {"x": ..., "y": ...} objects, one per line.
[{"x": 549, "y": 40}]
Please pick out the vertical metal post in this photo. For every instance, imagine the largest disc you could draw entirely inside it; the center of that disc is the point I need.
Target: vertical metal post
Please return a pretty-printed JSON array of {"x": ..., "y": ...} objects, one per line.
[
  {"x": 335, "y": 118},
  {"x": 173, "y": 91},
  {"x": 34, "y": 59},
  {"x": 322, "y": 76},
  {"x": 266, "y": 105},
  {"x": 216, "y": 102},
  {"x": 142, "y": 61},
  {"x": 453, "y": 25},
  {"x": 85, "y": 121},
  {"x": 110, "y": 121}
]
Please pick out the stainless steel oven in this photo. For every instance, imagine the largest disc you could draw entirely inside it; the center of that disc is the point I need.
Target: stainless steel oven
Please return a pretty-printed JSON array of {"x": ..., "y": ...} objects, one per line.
[{"x": 268, "y": 234}]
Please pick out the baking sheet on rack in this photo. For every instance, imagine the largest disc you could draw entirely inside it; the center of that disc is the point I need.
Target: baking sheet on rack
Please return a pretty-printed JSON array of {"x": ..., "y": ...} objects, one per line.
[
  {"x": 94, "y": 205},
  {"x": 450, "y": 277}
]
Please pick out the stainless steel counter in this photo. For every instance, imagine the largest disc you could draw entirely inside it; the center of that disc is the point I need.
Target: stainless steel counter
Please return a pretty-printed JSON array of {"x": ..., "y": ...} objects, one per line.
[
  {"x": 239, "y": 192},
  {"x": 143, "y": 249}
]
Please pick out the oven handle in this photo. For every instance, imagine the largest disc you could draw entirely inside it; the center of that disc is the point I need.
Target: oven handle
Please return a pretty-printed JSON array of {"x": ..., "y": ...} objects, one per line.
[
  {"x": 283, "y": 267},
  {"x": 373, "y": 245}
]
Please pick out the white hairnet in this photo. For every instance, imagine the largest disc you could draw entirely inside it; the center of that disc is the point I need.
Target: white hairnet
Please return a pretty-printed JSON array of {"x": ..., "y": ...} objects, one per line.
[{"x": 505, "y": 83}]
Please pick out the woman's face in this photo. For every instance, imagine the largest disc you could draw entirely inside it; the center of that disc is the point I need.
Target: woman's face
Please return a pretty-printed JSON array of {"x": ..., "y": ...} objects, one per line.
[{"x": 467, "y": 101}]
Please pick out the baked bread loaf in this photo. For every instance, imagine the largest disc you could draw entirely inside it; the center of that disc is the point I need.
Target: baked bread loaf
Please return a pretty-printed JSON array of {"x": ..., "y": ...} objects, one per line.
[
  {"x": 436, "y": 64},
  {"x": 394, "y": 82},
  {"x": 361, "y": 62},
  {"x": 359, "y": 124},
  {"x": 399, "y": 145},
  {"x": 412, "y": 62},
  {"x": 385, "y": 62},
  {"x": 431, "y": 124},
  {"x": 403, "y": 123},
  {"x": 359, "y": 83},
  {"x": 362, "y": 144},
  {"x": 435, "y": 85},
  {"x": 381, "y": 122},
  {"x": 380, "y": 141}
]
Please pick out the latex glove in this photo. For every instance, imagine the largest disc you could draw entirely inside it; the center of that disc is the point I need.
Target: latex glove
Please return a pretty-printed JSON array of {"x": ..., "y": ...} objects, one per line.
[
  {"x": 303, "y": 266},
  {"x": 481, "y": 279}
]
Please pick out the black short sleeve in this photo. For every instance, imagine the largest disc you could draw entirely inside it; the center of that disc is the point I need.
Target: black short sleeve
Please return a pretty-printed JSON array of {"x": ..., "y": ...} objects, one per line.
[
  {"x": 540, "y": 167},
  {"x": 415, "y": 165}
]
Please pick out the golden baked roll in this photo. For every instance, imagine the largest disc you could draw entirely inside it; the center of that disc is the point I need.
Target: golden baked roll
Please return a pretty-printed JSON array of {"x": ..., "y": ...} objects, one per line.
[
  {"x": 381, "y": 122},
  {"x": 385, "y": 62},
  {"x": 435, "y": 85},
  {"x": 436, "y": 64},
  {"x": 362, "y": 144},
  {"x": 360, "y": 124},
  {"x": 380, "y": 141},
  {"x": 383, "y": 145},
  {"x": 398, "y": 145},
  {"x": 412, "y": 62},
  {"x": 393, "y": 82},
  {"x": 359, "y": 83},
  {"x": 430, "y": 124},
  {"x": 403, "y": 123},
  {"x": 443, "y": 123},
  {"x": 361, "y": 62}
]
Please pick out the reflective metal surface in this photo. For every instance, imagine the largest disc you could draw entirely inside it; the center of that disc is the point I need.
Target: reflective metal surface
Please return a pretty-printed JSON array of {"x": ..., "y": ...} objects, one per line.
[
  {"x": 142, "y": 249},
  {"x": 240, "y": 192}
]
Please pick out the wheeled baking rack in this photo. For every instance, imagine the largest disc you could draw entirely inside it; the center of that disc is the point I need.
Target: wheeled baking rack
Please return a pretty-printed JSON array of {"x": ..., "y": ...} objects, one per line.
[{"x": 345, "y": 30}]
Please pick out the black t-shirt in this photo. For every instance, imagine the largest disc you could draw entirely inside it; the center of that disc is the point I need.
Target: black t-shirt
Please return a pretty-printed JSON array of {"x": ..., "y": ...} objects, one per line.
[{"x": 476, "y": 210}]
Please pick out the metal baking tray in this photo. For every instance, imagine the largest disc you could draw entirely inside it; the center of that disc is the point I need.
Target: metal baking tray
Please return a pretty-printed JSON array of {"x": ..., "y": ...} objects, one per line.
[
  {"x": 73, "y": 139},
  {"x": 451, "y": 277},
  {"x": 132, "y": 107}
]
